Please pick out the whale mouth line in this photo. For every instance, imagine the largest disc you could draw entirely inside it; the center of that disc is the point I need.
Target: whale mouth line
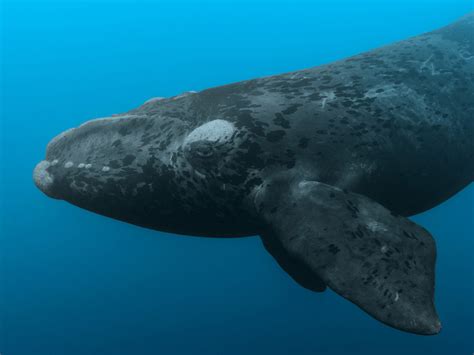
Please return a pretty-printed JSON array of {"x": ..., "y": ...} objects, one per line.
[{"x": 43, "y": 179}]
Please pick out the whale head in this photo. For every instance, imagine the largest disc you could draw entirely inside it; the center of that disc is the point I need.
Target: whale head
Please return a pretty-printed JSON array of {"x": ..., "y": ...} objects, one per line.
[
  {"x": 120, "y": 166},
  {"x": 150, "y": 171}
]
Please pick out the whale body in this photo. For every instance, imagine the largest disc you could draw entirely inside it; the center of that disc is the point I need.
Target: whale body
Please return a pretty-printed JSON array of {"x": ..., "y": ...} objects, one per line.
[{"x": 324, "y": 164}]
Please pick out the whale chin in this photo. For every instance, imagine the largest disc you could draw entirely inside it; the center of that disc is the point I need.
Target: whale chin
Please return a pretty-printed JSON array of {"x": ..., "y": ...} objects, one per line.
[{"x": 44, "y": 180}]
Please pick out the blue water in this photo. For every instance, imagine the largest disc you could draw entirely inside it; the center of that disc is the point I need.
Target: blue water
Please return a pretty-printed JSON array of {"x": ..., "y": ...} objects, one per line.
[{"x": 72, "y": 282}]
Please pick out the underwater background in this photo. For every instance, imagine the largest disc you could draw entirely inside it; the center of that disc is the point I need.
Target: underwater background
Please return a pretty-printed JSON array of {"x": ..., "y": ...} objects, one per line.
[{"x": 72, "y": 282}]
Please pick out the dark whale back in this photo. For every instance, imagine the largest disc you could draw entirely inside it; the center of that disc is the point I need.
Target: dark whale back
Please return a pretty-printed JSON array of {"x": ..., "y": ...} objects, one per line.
[{"x": 395, "y": 124}]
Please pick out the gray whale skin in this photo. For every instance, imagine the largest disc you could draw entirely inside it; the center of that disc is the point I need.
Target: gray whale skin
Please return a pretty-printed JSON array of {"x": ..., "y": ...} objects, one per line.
[{"x": 324, "y": 164}]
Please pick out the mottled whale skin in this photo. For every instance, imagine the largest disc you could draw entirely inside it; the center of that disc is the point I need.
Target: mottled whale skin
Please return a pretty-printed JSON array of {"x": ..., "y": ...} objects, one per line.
[{"x": 324, "y": 164}]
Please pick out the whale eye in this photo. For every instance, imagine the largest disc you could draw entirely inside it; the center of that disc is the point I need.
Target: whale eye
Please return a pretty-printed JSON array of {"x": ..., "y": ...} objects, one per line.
[
  {"x": 204, "y": 150},
  {"x": 201, "y": 151}
]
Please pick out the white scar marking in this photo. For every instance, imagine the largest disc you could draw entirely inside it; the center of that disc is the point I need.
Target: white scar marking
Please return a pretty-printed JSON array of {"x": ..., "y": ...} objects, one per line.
[
  {"x": 105, "y": 169},
  {"x": 328, "y": 96},
  {"x": 257, "y": 192},
  {"x": 54, "y": 162},
  {"x": 323, "y": 103},
  {"x": 464, "y": 54},
  {"x": 213, "y": 131},
  {"x": 433, "y": 70},
  {"x": 384, "y": 249},
  {"x": 375, "y": 226},
  {"x": 397, "y": 296},
  {"x": 430, "y": 67},
  {"x": 69, "y": 164},
  {"x": 307, "y": 184},
  {"x": 467, "y": 58},
  {"x": 201, "y": 175}
]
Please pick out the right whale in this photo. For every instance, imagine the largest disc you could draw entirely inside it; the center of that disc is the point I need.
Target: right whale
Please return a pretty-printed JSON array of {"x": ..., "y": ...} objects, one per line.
[{"x": 325, "y": 164}]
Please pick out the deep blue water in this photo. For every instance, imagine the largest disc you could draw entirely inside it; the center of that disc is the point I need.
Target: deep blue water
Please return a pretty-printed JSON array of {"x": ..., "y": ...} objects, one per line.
[{"x": 72, "y": 282}]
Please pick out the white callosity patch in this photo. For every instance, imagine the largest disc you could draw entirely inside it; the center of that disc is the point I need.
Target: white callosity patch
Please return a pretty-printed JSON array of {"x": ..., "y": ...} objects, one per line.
[
  {"x": 54, "y": 162},
  {"x": 88, "y": 166},
  {"x": 213, "y": 131},
  {"x": 69, "y": 164},
  {"x": 105, "y": 169},
  {"x": 81, "y": 165},
  {"x": 42, "y": 178}
]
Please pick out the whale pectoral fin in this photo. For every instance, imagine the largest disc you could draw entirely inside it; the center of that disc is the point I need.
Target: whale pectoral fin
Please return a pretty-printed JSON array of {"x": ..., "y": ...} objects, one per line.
[
  {"x": 381, "y": 262},
  {"x": 294, "y": 267}
]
